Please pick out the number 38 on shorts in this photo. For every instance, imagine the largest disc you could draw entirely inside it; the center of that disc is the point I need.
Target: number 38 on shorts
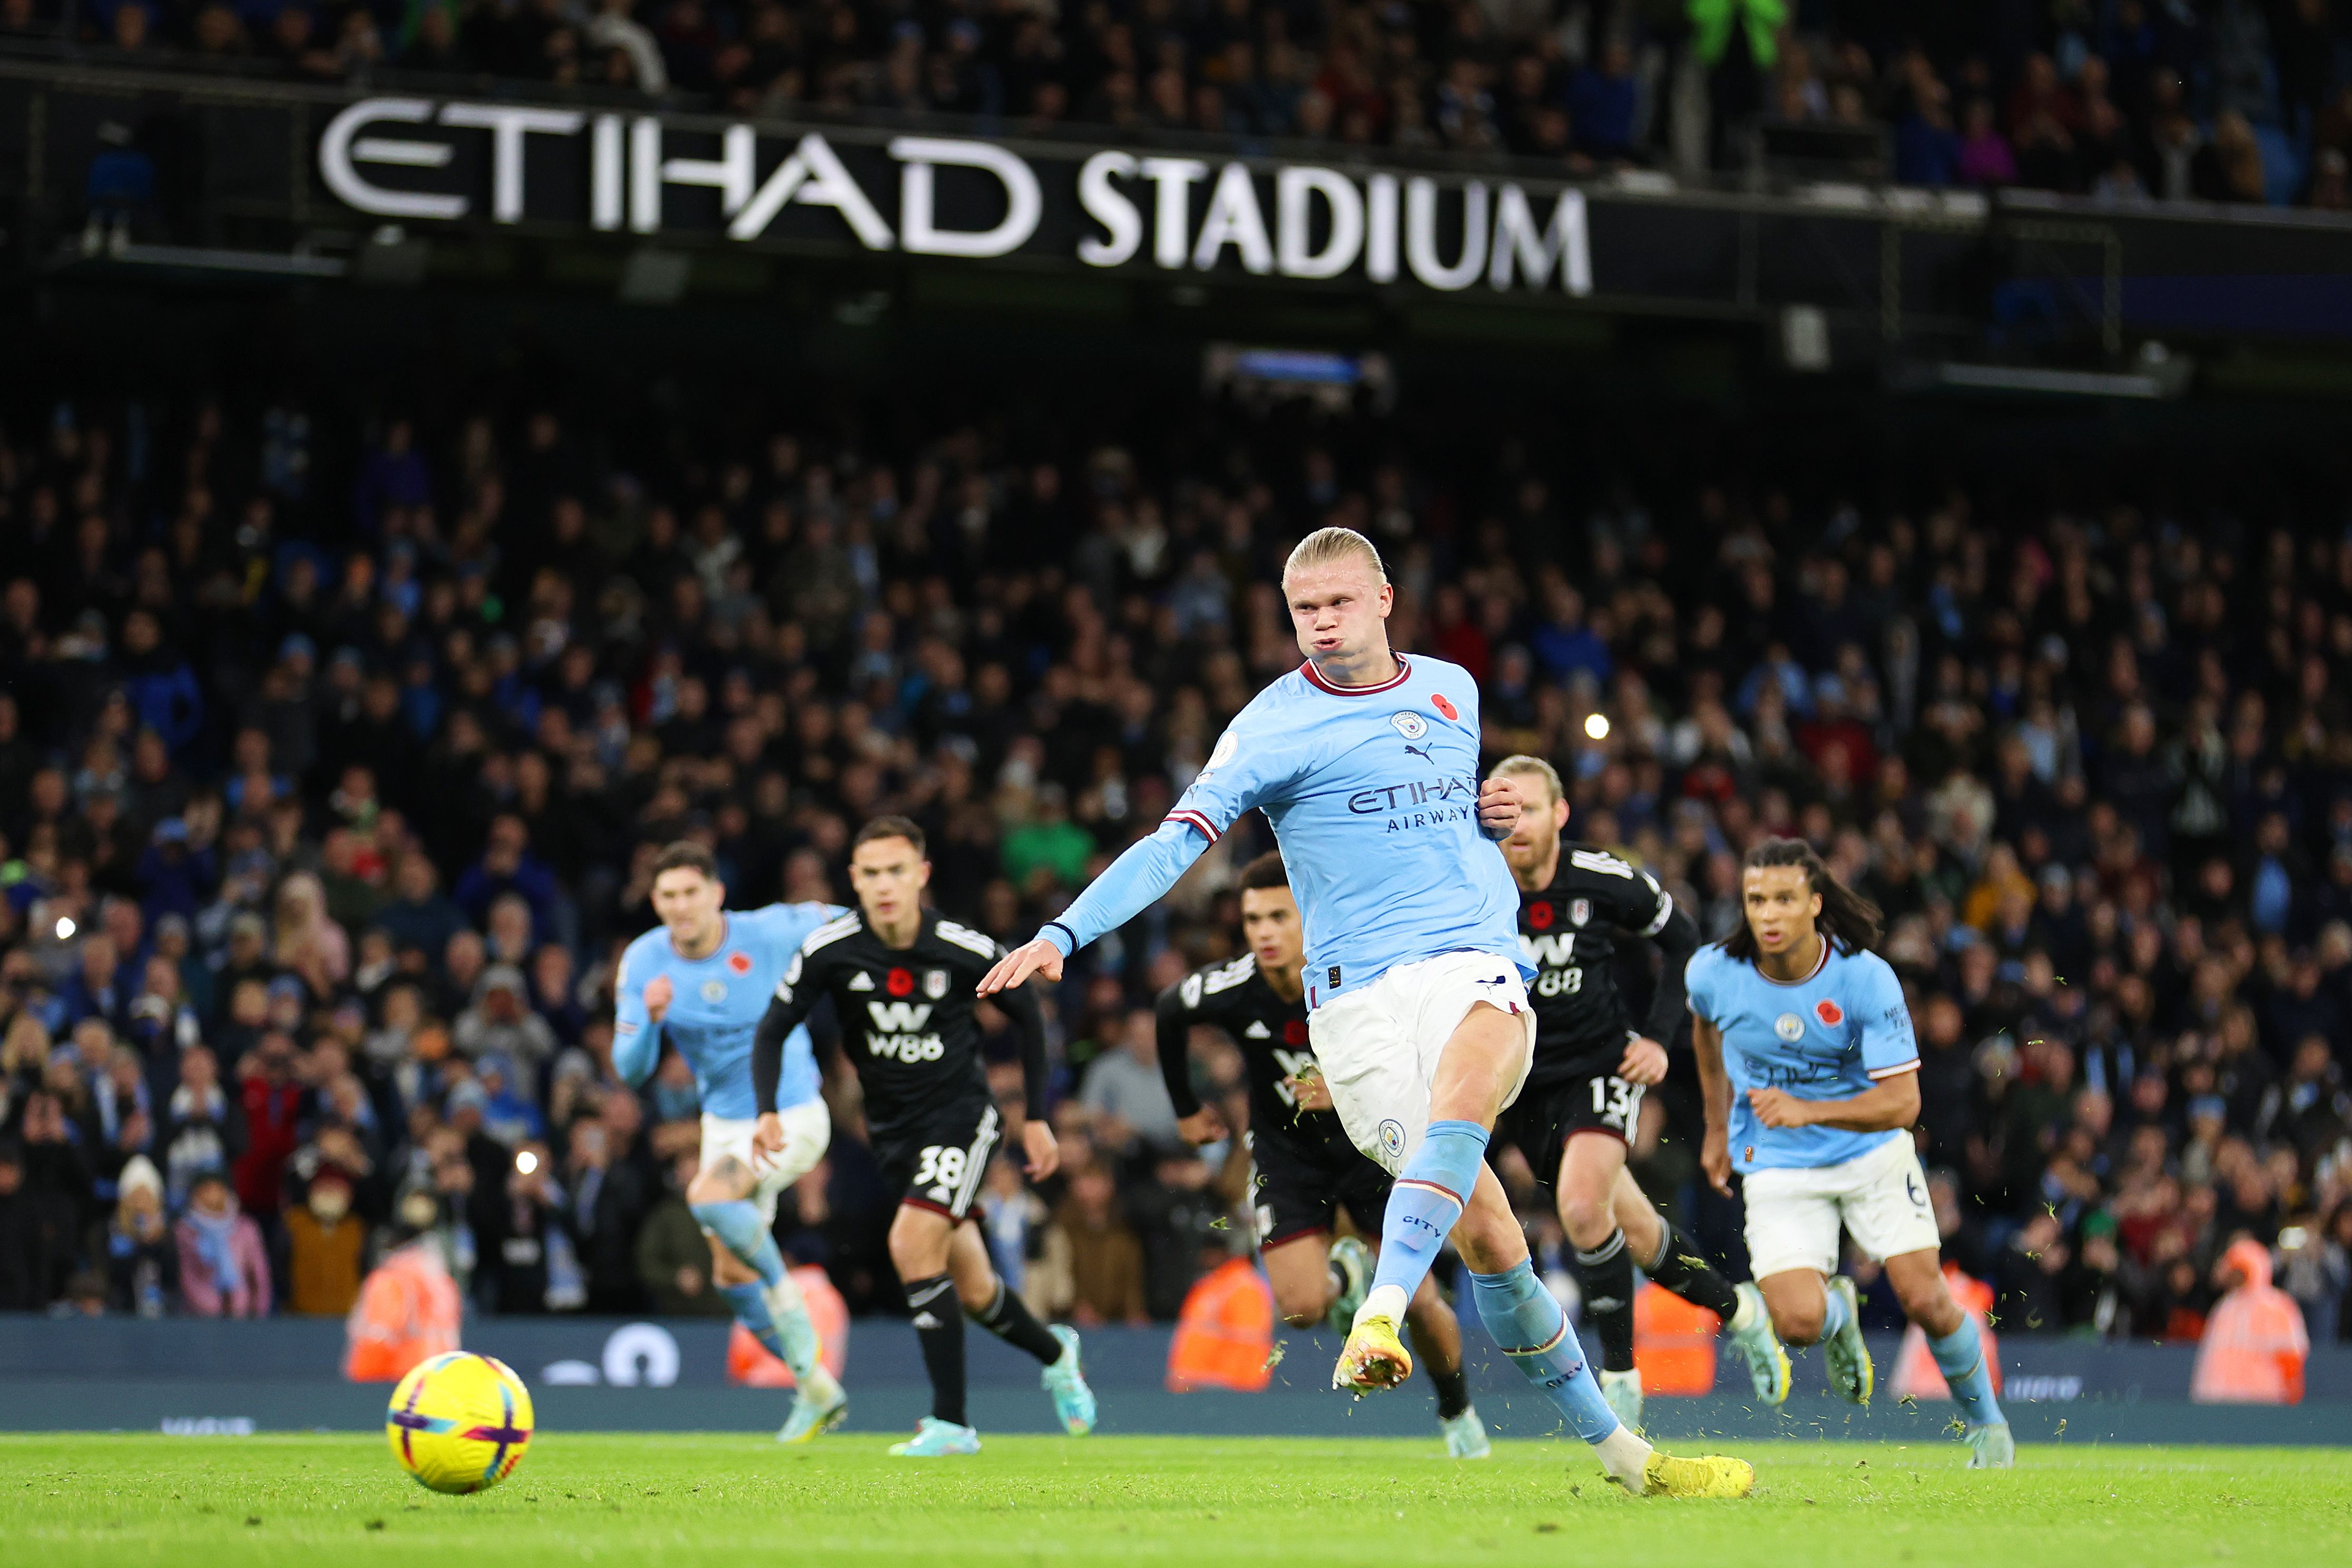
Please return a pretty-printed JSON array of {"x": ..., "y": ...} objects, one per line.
[{"x": 940, "y": 1169}]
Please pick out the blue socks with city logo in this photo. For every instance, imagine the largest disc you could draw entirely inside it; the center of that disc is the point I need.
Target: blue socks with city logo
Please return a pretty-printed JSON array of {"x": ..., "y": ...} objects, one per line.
[
  {"x": 1529, "y": 1324},
  {"x": 1423, "y": 1206}
]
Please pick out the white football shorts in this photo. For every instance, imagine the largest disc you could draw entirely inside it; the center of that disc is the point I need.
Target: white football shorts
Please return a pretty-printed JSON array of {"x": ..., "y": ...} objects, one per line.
[
  {"x": 1378, "y": 1046},
  {"x": 1881, "y": 1198},
  {"x": 808, "y": 1132}
]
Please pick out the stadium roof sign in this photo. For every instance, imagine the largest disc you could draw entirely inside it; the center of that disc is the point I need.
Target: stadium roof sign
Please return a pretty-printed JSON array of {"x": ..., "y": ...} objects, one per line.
[{"x": 541, "y": 167}]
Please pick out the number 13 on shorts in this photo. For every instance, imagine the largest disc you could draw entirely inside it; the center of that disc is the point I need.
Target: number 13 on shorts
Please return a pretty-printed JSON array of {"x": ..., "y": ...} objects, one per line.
[{"x": 1615, "y": 1101}]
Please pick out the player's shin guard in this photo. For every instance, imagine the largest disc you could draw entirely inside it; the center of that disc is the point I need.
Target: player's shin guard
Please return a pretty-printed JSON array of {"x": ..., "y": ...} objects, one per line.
[
  {"x": 1959, "y": 1355},
  {"x": 1606, "y": 1275},
  {"x": 1679, "y": 1267},
  {"x": 739, "y": 1230},
  {"x": 1423, "y": 1206},
  {"x": 1010, "y": 1320},
  {"x": 1527, "y": 1320},
  {"x": 939, "y": 1326}
]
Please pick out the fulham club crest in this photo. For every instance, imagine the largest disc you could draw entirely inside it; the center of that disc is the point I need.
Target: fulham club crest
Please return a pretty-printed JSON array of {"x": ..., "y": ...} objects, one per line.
[{"x": 935, "y": 984}]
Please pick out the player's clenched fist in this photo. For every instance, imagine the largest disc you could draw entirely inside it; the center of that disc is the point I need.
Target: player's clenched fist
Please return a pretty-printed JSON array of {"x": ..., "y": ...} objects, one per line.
[
  {"x": 767, "y": 1139},
  {"x": 1044, "y": 1152},
  {"x": 1644, "y": 1061},
  {"x": 1038, "y": 957},
  {"x": 658, "y": 993},
  {"x": 1498, "y": 807}
]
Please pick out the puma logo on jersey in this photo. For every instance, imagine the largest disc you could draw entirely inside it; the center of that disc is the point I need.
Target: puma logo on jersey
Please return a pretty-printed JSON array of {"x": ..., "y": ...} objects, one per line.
[{"x": 861, "y": 981}]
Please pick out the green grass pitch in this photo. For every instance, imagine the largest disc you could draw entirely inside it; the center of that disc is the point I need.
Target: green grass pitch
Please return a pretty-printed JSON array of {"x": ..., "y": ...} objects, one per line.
[{"x": 338, "y": 1500}]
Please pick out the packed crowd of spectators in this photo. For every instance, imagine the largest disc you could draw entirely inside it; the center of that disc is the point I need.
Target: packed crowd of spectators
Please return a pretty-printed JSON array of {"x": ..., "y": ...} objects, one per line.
[
  {"x": 2241, "y": 100},
  {"x": 329, "y": 791}
]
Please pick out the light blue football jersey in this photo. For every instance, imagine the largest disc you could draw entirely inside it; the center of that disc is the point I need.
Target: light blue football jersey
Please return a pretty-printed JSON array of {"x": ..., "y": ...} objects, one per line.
[
  {"x": 1828, "y": 1036},
  {"x": 716, "y": 1007},
  {"x": 1373, "y": 795}
]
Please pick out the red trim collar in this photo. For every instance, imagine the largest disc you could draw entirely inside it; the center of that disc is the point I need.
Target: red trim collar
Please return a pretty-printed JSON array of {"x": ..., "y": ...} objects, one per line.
[
  {"x": 1818, "y": 964},
  {"x": 1315, "y": 679}
]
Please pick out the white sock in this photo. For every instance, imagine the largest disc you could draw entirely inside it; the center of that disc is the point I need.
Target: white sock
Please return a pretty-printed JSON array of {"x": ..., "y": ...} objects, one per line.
[
  {"x": 1745, "y": 1318},
  {"x": 1384, "y": 1301},
  {"x": 1623, "y": 1455}
]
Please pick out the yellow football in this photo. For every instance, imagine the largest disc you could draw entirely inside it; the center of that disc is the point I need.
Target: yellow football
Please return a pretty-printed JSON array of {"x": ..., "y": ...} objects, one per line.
[{"x": 460, "y": 1422}]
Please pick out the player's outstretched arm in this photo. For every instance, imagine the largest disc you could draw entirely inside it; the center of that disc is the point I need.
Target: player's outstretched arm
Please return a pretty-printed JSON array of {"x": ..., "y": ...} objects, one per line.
[
  {"x": 1147, "y": 868},
  {"x": 1036, "y": 956}
]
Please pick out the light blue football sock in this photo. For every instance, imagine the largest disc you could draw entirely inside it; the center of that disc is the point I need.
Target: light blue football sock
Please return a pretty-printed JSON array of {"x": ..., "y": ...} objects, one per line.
[
  {"x": 750, "y": 1301},
  {"x": 1527, "y": 1320},
  {"x": 1835, "y": 1315},
  {"x": 1425, "y": 1202},
  {"x": 1959, "y": 1355},
  {"x": 738, "y": 1226}
]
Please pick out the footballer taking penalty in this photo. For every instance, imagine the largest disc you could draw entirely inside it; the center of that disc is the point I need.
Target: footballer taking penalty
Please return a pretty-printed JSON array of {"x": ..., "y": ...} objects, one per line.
[
  {"x": 1365, "y": 762},
  {"x": 901, "y": 980},
  {"x": 1811, "y": 1075},
  {"x": 1592, "y": 1065},
  {"x": 1302, "y": 1166},
  {"x": 701, "y": 979}
]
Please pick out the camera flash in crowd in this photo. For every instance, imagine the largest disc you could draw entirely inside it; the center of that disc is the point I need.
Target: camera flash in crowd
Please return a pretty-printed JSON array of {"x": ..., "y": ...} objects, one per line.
[
  {"x": 65, "y": 928},
  {"x": 526, "y": 1161},
  {"x": 1597, "y": 726}
]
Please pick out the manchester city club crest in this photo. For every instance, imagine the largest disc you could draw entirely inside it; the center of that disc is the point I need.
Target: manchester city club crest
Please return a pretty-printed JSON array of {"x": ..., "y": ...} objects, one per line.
[
  {"x": 1789, "y": 1028},
  {"x": 714, "y": 991},
  {"x": 1393, "y": 1138},
  {"x": 935, "y": 984},
  {"x": 1412, "y": 726}
]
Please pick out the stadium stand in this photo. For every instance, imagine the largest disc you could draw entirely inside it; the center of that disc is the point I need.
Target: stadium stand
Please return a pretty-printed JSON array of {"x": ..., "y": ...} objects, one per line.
[
  {"x": 2129, "y": 100},
  {"x": 334, "y": 748}
]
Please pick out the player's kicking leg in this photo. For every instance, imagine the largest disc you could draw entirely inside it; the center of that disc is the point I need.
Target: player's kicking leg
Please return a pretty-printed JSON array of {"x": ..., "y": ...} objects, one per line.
[
  {"x": 737, "y": 1209},
  {"x": 1313, "y": 1282},
  {"x": 1446, "y": 1188},
  {"x": 1615, "y": 1228}
]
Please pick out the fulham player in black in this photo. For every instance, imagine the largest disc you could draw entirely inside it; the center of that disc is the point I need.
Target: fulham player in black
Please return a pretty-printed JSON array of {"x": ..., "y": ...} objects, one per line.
[
  {"x": 1303, "y": 1165},
  {"x": 901, "y": 979},
  {"x": 1594, "y": 1062}
]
